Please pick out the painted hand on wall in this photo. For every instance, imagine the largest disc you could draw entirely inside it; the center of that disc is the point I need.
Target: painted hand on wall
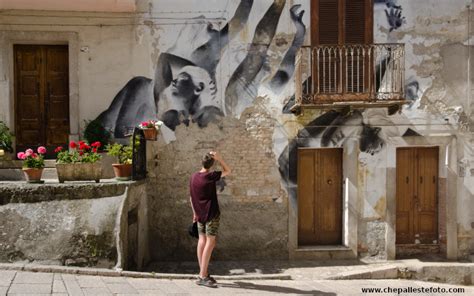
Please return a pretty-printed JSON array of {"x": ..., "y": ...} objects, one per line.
[{"x": 394, "y": 18}]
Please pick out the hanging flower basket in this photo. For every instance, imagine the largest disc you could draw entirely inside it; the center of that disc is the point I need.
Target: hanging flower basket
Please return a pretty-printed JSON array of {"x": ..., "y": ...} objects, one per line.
[
  {"x": 150, "y": 134},
  {"x": 150, "y": 129}
]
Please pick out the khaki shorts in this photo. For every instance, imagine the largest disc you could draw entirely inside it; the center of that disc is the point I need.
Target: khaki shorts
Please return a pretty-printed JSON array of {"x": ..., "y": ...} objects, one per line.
[{"x": 210, "y": 227}]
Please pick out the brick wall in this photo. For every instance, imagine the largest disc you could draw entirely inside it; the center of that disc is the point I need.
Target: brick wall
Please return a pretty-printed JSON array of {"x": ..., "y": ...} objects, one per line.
[{"x": 254, "y": 221}]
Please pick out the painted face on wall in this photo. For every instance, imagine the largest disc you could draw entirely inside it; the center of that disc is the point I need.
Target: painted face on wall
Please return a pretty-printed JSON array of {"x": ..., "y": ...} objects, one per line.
[{"x": 184, "y": 86}]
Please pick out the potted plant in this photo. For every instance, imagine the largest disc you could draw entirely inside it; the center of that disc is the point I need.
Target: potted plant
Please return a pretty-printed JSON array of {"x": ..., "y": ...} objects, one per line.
[
  {"x": 79, "y": 163},
  {"x": 124, "y": 154},
  {"x": 95, "y": 132},
  {"x": 33, "y": 164},
  {"x": 5, "y": 140},
  {"x": 150, "y": 129}
]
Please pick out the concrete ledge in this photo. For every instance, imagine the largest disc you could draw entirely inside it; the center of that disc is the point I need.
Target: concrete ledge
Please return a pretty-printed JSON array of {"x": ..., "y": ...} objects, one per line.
[
  {"x": 22, "y": 192},
  {"x": 134, "y": 274}
]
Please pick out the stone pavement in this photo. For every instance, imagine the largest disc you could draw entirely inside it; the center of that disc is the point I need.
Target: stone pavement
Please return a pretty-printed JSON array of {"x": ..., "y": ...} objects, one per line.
[{"x": 31, "y": 283}]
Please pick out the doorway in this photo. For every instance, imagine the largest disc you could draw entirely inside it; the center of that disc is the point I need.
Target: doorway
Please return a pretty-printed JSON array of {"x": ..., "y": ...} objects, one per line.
[
  {"x": 41, "y": 96},
  {"x": 319, "y": 196},
  {"x": 417, "y": 195}
]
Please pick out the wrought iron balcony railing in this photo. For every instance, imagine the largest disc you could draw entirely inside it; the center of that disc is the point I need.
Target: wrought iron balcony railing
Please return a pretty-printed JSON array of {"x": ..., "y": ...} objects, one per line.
[{"x": 351, "y": 74}]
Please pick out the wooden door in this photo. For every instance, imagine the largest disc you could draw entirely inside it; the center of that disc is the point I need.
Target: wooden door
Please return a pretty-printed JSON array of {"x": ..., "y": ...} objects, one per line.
[
  {"x": 417, "y": 195},
  {"x": 41, "y": 96},
  {"x": 320, "y": 196}
]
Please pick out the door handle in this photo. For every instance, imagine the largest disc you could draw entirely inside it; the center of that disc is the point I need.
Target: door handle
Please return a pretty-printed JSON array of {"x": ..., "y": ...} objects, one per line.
[
  {"x": 329, "y": 181},
  {"x": 421, "y": 179}
]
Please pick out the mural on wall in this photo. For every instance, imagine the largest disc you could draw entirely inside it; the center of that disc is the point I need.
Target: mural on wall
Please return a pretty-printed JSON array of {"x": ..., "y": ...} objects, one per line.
[
  {"x": 331, "y": 129},
  {"x": 184, "y": 88},
  {"x": 393, "y": 13}
]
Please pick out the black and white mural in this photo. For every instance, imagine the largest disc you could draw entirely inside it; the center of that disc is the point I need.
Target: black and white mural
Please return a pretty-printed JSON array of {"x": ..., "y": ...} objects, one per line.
[{"x": 184, "y": 89}]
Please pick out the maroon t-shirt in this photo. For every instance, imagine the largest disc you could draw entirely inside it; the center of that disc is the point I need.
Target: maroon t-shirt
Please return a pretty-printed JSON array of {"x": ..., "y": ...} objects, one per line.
[{"x": 202, "y": 187}]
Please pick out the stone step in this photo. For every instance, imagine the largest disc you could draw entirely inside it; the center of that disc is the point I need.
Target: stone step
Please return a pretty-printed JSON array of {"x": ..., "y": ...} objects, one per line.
[
  {"x": 323, "y": 253},
  {"x": 471, "y": 257}
]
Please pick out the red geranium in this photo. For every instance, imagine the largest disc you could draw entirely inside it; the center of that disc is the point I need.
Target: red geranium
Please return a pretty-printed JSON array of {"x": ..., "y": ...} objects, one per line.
[{"x": 80, "y": 152}]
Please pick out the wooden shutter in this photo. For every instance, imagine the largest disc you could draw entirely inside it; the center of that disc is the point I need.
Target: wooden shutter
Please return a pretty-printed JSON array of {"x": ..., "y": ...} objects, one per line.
[
  {"x": 341, "y": 22},
  {"x": 354, "y": 19},
  {"x": 328, "y": 27}
]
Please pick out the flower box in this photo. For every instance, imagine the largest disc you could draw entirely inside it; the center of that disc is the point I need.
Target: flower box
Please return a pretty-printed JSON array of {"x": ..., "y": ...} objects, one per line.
[{"x": 79, "y": 171}]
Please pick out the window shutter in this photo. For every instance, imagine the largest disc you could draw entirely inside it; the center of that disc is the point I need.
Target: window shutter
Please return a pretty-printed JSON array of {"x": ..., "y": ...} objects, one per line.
[
  {"x": 355, "y": 19},
  {"x": 328, "y": 22}
]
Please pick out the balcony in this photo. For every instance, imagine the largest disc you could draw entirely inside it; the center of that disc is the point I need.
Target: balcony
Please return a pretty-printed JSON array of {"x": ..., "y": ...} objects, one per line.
[{"x": 350, "y": 76}]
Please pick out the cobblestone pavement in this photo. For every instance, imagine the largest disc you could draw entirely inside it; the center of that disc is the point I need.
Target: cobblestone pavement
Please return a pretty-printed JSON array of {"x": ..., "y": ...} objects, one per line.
[{"x": 29, "y": 283}]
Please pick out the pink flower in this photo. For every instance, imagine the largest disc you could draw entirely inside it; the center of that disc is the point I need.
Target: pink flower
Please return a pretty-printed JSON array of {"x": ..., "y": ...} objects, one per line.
[
  {"x": 41, "y": 150},
  {"x": 34, "y": 155},
  {"x": 29, "y": 152},
  {"x": 21, "y": 155}
]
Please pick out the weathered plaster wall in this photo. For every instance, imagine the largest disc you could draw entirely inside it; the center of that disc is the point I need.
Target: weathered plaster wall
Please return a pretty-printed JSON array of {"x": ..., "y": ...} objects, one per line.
[
  {"x": 221, "y": 78},
  {"x": 72, "y": 224},
  {"x": 104, "y": 51}
]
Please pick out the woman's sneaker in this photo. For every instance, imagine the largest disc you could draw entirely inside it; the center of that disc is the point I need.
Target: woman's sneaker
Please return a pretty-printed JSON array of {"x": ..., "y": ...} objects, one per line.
[
  {"x": 212, "y": 279},
  {"x": 206, "y": 282}
]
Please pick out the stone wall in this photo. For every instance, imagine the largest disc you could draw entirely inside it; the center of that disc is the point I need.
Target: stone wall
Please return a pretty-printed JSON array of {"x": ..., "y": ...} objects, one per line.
[{"x": 77, "y": 224}]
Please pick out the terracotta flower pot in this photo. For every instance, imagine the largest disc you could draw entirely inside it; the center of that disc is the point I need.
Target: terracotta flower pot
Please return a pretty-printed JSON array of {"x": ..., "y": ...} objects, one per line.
[
  {"x": 150, "y": 133},
  {"x": 79, "y": 171},
  {"x": 33, "y": 175},
  {"x": 123, "y": 172}
]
